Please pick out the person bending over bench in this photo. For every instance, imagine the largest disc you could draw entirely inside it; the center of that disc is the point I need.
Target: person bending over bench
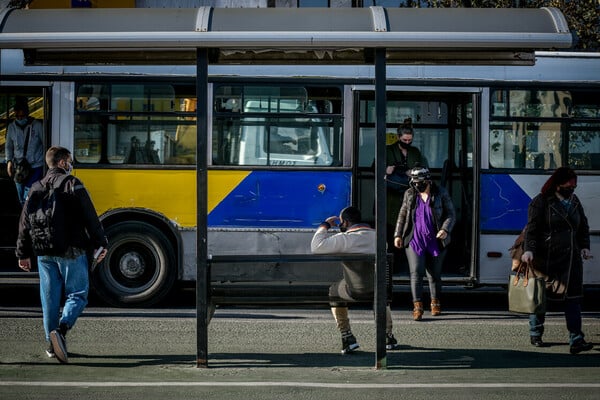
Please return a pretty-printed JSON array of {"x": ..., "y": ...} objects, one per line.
[{"x": 355, "y": 237}]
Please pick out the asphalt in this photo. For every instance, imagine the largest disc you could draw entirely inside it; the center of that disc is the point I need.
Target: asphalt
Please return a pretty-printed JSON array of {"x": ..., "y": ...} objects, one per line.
[{"x": 282, "y": 353}]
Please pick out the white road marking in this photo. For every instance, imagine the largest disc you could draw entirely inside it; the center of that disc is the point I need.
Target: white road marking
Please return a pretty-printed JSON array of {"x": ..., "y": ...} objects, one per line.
[{"x": 508, "y": 385}]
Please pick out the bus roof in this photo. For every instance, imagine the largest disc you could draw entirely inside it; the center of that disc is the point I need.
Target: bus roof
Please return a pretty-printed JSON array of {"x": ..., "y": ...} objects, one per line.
[{"x": 283, "y": 35}]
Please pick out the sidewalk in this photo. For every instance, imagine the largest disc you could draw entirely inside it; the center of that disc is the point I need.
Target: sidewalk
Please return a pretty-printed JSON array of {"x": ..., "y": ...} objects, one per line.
[{"x": 250, "y": 344}]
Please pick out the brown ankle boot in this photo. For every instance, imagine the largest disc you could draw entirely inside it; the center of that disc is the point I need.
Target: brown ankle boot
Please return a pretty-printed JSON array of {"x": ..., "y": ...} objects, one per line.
[
  {"x": 418, "y": 310},
  {"x": 436, "y": 307}
]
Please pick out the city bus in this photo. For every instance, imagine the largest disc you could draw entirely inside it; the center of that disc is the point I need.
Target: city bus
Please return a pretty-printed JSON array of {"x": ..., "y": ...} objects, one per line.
[{"x": 289, "y": 147}]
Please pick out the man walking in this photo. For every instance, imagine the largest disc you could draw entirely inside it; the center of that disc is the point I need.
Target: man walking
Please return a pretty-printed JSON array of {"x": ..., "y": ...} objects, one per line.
[{"x": 61, "y": 249}]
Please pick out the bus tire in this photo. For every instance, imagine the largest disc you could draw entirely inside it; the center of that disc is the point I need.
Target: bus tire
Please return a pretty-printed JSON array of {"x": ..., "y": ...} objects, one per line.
[{"x": 139, "y": 268}]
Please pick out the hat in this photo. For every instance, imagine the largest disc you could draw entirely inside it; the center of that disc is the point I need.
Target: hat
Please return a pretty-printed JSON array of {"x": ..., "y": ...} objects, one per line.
[{"x": 419, "y": 174}]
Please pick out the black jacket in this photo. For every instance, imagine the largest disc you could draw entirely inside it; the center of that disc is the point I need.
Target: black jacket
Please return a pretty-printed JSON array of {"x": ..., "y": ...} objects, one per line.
[
  {"x": 441, "y": 206},
  {"x": 556, "y": 235},
  {"x": 87, "y": 231}
]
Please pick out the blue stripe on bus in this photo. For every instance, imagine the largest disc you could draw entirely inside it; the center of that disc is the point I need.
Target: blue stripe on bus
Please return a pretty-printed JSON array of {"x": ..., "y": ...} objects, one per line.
[
  {"x": 503, "y": 203},
  {"x": 283, "y": 199}
]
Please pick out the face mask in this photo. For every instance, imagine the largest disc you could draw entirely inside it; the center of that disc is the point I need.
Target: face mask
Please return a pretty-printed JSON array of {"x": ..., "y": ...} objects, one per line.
[
  {"x": 421, "y": 186},
  {"x": 566, "y": 192},
  {"x": 21, "y": 122},
  {"x": 343, "y": 227},
  {"x": 404, "y": 145},
  {"x": 69, "y": 168}
]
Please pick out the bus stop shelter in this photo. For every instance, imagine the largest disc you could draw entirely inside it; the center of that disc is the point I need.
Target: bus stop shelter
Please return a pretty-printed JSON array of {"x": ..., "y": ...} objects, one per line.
[{"x": 373, "y": 36}]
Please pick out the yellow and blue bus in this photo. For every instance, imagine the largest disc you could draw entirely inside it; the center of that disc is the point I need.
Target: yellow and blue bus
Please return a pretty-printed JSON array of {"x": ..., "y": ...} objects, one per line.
[{"x": 289, "y": 146}]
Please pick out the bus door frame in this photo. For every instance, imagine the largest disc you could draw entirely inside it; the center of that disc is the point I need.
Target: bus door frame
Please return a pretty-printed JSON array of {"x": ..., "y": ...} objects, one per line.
[
  {"x": 11, "y": 210},
  {"x": 480, "y": 114}
]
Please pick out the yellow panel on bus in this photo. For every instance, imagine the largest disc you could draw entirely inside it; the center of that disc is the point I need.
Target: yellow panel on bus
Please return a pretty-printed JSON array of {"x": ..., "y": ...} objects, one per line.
[
  {"x": 82, "y": 4},
  {"x": 171, "y": 193}
]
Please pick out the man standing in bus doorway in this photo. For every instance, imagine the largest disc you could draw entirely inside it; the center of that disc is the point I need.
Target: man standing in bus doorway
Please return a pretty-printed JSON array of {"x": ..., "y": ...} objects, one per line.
[
  {"x": 358, "y": 283},
  {"x": 400, "y": 157},
  {"x": 63, "y": 268},
  {"x": 24, "y": 144}
]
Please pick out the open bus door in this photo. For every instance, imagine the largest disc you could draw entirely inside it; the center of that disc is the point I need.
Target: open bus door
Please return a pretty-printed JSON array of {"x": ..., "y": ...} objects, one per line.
[
  {"x": 10, "y": 208},
  {"x": 444, "y": 130}
]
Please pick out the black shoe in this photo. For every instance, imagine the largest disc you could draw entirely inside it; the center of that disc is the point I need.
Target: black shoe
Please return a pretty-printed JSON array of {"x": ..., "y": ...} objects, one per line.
[
  {"x": 349, "y": 343},
  {"x": 60, "y": 346},
  {"x": 538, "y": 342},
  {"x": 579, "y": 346},
  {"x": 391, "y": 343},
  {"x": 63, "y": 329}
]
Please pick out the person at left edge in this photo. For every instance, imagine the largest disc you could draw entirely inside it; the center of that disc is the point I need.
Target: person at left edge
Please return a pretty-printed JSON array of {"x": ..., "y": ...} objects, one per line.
[
  {"x": 67, "y": 272},
  {"x": 355, "y": 237},
  {"x": 16, "y": 135}
]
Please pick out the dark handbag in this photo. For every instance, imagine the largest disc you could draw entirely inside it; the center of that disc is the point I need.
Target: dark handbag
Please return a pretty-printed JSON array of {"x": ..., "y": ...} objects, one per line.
[
  {"x": 21, "y": 167},
  {"x": 21, "y": 170},
  {"x": 397, "y": 182},
  {"x": 525, "y": 295}
]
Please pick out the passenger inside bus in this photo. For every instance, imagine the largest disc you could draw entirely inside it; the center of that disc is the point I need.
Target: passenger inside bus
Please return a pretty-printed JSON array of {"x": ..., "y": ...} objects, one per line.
[
  {"x": 146, "y": 154},
  {"x": 401, "y": 156},
  {"x": 554, "y": 103}
]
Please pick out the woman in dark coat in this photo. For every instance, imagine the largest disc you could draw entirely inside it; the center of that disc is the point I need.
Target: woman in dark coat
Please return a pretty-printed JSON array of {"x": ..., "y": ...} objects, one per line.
[{"x": 556, "y": 240}]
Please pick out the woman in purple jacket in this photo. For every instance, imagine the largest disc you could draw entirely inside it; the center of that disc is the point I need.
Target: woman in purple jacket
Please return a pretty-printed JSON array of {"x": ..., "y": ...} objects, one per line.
[{"x": 423, "y": 228}]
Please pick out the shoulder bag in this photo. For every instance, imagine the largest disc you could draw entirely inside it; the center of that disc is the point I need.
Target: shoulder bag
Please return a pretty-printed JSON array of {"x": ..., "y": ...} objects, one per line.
[
  {"x": 397, "y": 181},
  {"x": 21, "y": 167},
  {"x": 526, "y": 295}
]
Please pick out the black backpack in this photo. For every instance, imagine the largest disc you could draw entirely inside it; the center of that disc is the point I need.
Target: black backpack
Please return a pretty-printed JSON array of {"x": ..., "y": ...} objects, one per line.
[{"x": 48, "y": 217}]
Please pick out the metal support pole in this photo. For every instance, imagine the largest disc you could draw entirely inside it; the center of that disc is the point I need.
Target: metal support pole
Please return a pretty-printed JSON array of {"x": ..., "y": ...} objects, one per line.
[
  {"x": 380, "y": 198},
  {"x": 202, "y": 266}
]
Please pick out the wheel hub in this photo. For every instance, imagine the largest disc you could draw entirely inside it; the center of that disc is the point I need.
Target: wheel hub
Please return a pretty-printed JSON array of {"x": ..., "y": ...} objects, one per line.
[{"x": 131, "y": 265}]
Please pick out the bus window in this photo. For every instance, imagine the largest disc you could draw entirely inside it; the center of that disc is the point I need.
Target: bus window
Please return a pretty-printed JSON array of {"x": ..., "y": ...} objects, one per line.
[
  {"x": 277, "y": 126},
  {"x": 144, "y": 123},
  {"x": 430, "y": 122},
  {"x": 584, "y": 135},
  {"x": 8, "y": 98},
  {"x": 544, "y": 129},
  {"x": 88, "y": 140},
  {"x": 584, "y": 148}
]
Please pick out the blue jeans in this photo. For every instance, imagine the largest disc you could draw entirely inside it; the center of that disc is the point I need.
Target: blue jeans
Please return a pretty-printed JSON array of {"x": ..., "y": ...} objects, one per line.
[
  {"x": 572, "y": 317},
  {"x": 58, "y": 274},
  {"x": 23, "y": 188},
  {"x": 419, "y": 265}
]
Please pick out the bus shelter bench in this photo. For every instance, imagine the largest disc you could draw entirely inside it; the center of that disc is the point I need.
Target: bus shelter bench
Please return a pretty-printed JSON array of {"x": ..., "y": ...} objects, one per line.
[{"x": 243, "y": 289}]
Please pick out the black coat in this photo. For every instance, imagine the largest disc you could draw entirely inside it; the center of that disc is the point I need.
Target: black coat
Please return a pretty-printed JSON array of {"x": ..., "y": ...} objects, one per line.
[
  {"x": 441, "y": 206},
  {"x": 86, "y": 233},
  {"x": 556, "y": 235}
]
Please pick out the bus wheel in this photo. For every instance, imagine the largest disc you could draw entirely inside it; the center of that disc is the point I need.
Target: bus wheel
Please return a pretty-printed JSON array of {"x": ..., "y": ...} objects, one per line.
[{"x": 139, "y": 268}]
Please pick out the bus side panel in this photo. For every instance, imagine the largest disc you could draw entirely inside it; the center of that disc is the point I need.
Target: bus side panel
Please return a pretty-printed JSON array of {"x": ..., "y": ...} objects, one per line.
[
  {"x": 495, "y": 270},
  {"x": 275, "y": 212},
  {"x": 504, "y": 202},
  {"x": 283, "y": 199}
]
